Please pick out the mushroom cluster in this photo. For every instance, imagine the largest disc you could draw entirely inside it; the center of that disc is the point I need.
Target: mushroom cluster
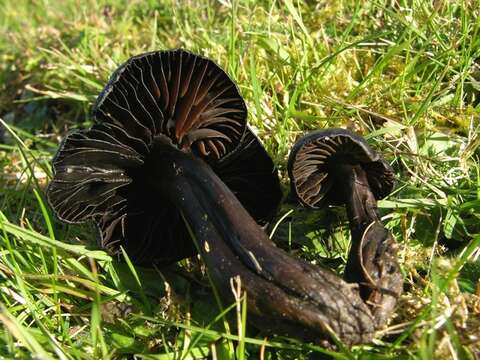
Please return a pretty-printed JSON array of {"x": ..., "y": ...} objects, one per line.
[
  {"x": 170, "y": 167},
  {"x": 110, "y": 173}
]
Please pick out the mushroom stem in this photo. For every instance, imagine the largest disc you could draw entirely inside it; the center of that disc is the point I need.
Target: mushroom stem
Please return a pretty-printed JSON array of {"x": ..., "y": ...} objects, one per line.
[
  {"x": 360, "y": 201},
  {"x": 373, "y": 249},
  {"x": 285, "y": 295}
]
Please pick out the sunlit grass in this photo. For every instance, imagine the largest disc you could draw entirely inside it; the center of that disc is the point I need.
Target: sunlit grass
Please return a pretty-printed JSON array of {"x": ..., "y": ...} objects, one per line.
[{"x": 404, "y": 74}]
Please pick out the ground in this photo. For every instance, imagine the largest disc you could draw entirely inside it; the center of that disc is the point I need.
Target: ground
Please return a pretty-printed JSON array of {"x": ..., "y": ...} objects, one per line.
[{"x": 404, "y": 74}]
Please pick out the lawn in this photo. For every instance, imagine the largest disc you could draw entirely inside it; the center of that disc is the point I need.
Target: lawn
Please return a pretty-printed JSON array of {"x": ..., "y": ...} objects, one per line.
[{"x": 403, "y": 74}]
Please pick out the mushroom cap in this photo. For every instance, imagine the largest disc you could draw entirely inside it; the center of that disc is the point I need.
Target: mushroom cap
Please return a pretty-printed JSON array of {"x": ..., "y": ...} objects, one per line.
[
  {"x": 177, "y": 94},
  {"x": 316, "y": 159},
  {"x": 174, "y": 97}
]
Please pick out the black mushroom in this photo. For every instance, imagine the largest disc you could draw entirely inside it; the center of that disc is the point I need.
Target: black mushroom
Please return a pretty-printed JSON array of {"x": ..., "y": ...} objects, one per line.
[
  {"x": 168, "y": 98},
  {"x": 170, "y": 130},
  {"x": 336, "y": 167}
]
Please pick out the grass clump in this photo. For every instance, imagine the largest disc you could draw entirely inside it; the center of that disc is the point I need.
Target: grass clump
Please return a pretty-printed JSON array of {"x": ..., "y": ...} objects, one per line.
[{"x": 404, "y": 73}]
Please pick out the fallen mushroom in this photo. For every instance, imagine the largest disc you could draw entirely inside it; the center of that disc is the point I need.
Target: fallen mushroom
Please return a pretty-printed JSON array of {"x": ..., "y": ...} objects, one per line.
[
  {"x": 170, "y": 126},
  {"x": 337, "y": 167},
  {"x": 101, "y": 174}
]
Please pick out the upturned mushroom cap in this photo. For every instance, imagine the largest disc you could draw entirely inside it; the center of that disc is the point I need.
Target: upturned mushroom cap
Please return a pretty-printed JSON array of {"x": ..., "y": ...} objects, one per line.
[
  {"x": 172, "y": 97},
  {"x": 319, "y": 163}
]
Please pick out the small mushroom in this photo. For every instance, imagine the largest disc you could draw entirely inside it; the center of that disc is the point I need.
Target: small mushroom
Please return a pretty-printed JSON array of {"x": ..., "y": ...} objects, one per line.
[
  {"x": 168, "y": 153},
  {"x": 176, "y": 99},
  {"x": 337, "y": 167}
]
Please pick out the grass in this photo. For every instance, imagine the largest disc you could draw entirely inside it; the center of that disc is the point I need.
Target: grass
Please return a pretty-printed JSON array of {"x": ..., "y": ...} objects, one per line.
[{"x": 405, "y": 74}]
